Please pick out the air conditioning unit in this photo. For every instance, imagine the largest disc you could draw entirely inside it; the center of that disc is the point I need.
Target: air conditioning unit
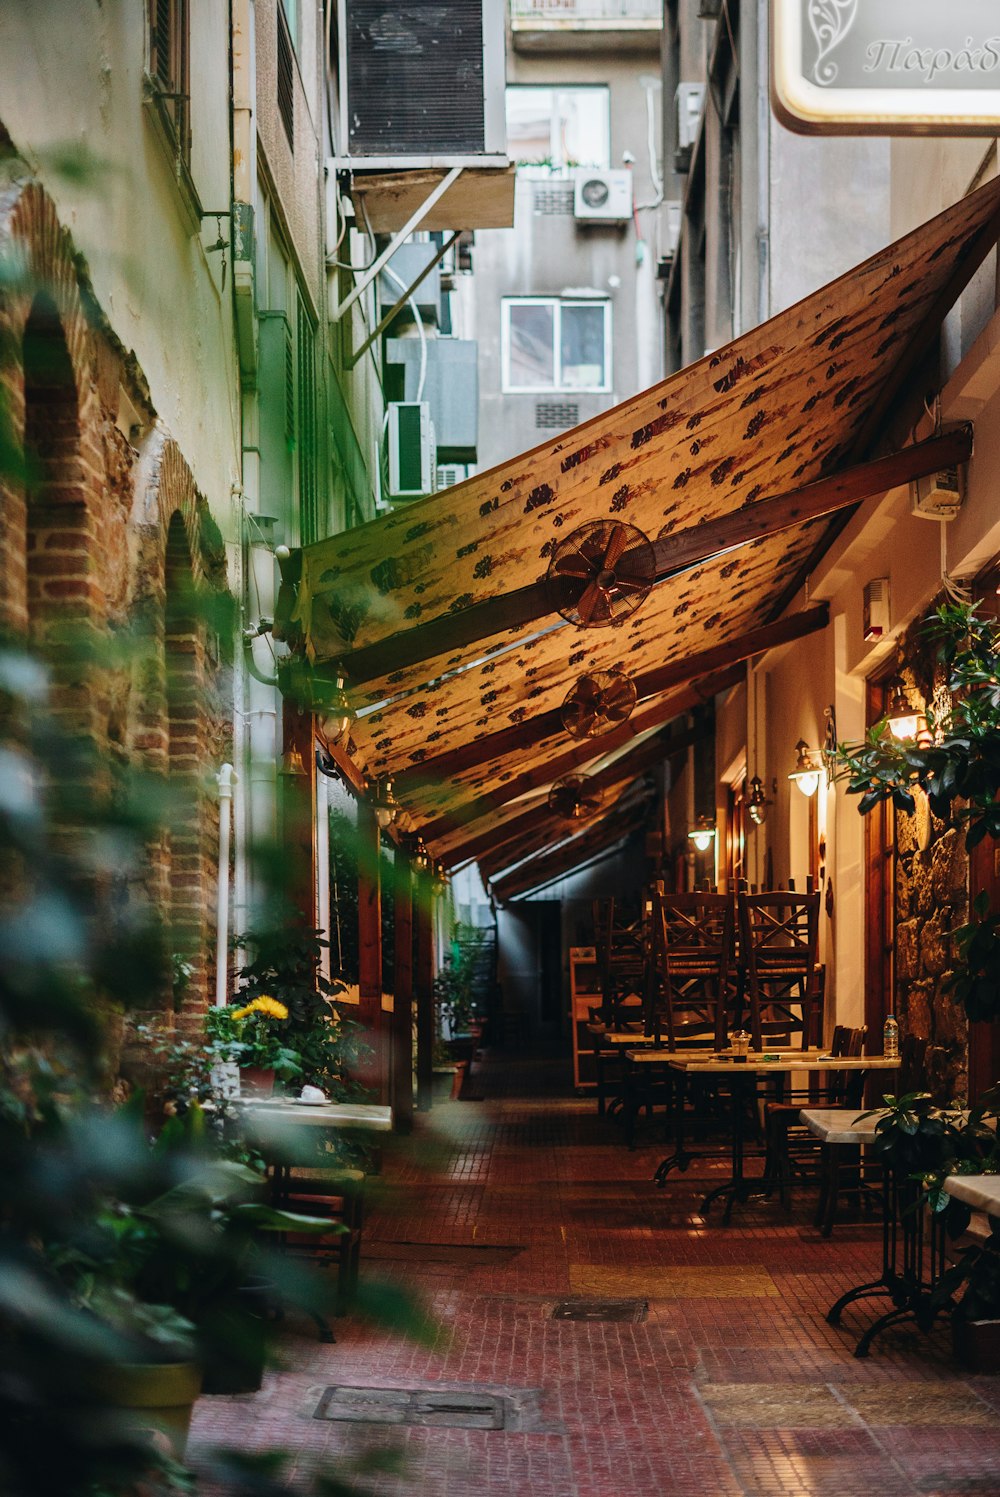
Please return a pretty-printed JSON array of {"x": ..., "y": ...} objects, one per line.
[
  {"x": 602, "y": 197},
  {"x": 875, "y": 621},
  {"x": 448, "y": 474},
  {"x": 939, "y": 495},
  {"x": 672, "y": 212},
  {"x": 689, "y": 99},
  {"x": 422, "y": 83},
  {"x": 411, "y": 449}
]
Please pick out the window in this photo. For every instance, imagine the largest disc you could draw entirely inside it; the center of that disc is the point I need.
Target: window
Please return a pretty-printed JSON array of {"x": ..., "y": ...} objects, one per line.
[
  {"x": 286, "y": 78},
  {"x": 554, "y": 344},
  {"x": 551, "y": 129},
  {"x": 168, "y": 65}
]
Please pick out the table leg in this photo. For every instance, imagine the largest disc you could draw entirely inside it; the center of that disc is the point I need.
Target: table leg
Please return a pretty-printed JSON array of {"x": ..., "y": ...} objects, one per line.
[
  {"x": 737, "y": 1188},
  {"x": 680, "y": 1158}
]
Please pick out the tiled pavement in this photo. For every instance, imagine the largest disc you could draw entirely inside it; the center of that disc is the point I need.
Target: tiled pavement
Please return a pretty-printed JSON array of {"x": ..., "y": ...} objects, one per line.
[{"x": 494, "y": 1211}]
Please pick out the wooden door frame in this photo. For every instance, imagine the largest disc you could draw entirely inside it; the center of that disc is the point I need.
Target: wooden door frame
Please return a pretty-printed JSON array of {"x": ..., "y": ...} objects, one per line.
[{"x": 880, "y": 894}]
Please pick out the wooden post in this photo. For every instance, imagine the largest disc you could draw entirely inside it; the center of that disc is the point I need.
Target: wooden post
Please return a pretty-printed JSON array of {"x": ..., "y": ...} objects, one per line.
[
  {"x": 298, "y": 810},
  {"x": 376, "y": 1073},
  {"x": 402, "y": 996},
  {"x": 423, "y": 917}
]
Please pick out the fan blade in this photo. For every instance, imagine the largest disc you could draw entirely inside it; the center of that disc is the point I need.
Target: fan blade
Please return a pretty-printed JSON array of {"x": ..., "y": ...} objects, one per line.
[
  {"x": 573, "y": 564},
  {"x": 594, "y": 603},
  {"x": 616, "y": 546}
]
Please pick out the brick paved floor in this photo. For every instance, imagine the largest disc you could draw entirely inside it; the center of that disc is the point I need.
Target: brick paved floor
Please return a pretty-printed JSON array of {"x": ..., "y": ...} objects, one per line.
[{"x": 495, "y": 1211}]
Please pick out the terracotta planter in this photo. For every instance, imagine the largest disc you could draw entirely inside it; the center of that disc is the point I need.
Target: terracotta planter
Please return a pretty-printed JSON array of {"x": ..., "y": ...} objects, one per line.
[
  {"x": 256, "y": 1081},
  {"x": 158, "y": 1396},
  {"x": 976, "y": 1343}
]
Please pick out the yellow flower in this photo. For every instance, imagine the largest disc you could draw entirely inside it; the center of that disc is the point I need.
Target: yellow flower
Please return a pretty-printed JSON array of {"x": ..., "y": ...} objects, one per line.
[{"x": 263, "y": 1005}]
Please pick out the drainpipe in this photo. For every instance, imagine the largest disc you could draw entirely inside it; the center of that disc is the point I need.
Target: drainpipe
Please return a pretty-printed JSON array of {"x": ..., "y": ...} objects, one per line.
[{"x": 225, "y": 780}]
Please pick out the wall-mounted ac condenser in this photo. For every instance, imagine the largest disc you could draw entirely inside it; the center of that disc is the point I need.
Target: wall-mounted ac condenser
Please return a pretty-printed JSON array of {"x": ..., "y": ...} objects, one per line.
[
  {"x": 602, "y": 196},
  {"x": 422, "y": 82},
  {"x": 412, "y": 456}
]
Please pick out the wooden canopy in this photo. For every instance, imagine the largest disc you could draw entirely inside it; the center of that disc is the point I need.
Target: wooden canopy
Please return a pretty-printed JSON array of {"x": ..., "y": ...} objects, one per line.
[{"x": 440, "y": 612}]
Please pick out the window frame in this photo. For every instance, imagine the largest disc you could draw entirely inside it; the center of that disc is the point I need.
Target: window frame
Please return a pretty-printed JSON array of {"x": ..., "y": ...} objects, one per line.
[
  {"x": 557, "y": 167},
  {"x": 172, "y": 84},
  {"x": 557, "y": 303}
]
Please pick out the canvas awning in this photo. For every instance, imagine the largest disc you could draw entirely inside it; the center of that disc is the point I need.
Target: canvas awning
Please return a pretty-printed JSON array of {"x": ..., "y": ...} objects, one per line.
[{"x": 440, "y": 612}]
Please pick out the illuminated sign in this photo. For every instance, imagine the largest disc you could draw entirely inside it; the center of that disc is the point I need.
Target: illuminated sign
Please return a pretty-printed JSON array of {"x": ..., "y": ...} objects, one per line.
[{"x": 886, "y": 67}]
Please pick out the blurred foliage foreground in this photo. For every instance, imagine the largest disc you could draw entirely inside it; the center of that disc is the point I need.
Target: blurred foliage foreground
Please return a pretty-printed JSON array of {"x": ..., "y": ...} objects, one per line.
[{"x": 124, "y": 1245}]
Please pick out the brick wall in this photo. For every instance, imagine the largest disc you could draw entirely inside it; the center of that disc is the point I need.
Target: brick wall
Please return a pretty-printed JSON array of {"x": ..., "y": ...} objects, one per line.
[{"x": 101, "y": 536}]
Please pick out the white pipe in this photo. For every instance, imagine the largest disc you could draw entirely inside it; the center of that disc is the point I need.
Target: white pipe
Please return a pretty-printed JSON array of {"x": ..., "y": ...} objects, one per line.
[{"x": 225, "y": 779}]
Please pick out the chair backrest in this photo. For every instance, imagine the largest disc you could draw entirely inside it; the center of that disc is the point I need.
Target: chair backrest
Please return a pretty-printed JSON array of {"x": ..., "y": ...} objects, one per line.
[
  {"x": 690, "y": 960},
  {"x": 620, "y": 943},
  {"x": 778, "y": 948}
]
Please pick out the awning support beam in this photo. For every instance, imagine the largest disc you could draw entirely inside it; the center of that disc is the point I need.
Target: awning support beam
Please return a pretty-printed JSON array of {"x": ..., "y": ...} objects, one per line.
[
  {"x": 674, "y": 553},
  {"x": 651, "y": 683}
]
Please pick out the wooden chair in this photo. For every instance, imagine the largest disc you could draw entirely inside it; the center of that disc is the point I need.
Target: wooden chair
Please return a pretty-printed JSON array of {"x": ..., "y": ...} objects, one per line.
[
  {"x": 778, "y": 946},
  {"x": 620, "y": 943},
  {"x": 336, "y": 1194},
  {"x": 791, "y": 1149},
  {"x": 688, "y": 991},
  {"x": 842, "y": 1166}
]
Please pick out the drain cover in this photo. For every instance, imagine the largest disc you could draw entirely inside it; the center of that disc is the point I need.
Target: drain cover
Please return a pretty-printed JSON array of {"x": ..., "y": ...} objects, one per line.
[
  {"x": 630, "y": 1310},
  {"x": 429, "y": 1407}
]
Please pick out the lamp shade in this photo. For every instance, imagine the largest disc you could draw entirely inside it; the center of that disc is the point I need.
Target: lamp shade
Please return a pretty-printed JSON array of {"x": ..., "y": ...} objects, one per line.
[
  {"x": 903, "y": 718},
  {"x": 385, "y": 805},
  {"x": 702, "y": 834},
  {"x": 807, "y": 771},
  {"x": 334, "y": 713}
]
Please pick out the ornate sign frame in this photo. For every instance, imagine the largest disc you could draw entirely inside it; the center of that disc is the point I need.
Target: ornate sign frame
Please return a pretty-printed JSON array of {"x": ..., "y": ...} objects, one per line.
[{"x": 886, "y": 67}]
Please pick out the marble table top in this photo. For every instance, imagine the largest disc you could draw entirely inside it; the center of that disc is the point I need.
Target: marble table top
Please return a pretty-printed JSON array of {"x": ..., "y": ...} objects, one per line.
[
  {"x": 981, "y": 1192},
  {"x": 366, "y": 1116},
  {"x": 836, "y": 1125},
  {"x": 796, "y": 1060}
]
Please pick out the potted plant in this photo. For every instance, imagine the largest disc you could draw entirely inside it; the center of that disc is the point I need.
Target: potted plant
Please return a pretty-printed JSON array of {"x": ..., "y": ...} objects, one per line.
[
  {"x": 255, "y": 1036},
  {"x": 285, "y": 968}
]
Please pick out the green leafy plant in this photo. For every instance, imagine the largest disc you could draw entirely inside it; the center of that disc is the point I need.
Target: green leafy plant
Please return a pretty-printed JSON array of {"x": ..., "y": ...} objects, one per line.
[
  {"x": 256, "y": 1034},
  {"x": 957, "y": 764},
  {"x": 455, "y": 988}
]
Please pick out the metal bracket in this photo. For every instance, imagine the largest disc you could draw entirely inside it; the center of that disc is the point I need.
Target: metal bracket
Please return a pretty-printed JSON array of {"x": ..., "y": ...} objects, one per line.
[
  {"x": 352, "y": 359},
  {"x": 412, "y": 223}
]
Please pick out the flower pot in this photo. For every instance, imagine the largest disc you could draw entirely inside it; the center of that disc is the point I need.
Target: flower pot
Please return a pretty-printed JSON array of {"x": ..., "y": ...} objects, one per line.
[
  {"x": 976, "y": 1343},
  {"x": 225, "y": 1079},
  {"x": 458, "y": 1081},
  {"x": 256, "y": 1081},
  {"x": 443, "y": 1082},
  {"x": 240, "y": 1368},
  {"x": 157, "y": 1396}
]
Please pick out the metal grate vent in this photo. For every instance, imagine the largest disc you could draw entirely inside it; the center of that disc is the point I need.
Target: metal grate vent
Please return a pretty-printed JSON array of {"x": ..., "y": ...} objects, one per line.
[
  {"x": 554, "y": 415},
  {"x": 415, "y": 77},
  {"x": 554, "y": 198},
  {"x": 286, "y": 78},
  {"x": 433, "y": 1409},
  {"x": 631, "y": 1311}
]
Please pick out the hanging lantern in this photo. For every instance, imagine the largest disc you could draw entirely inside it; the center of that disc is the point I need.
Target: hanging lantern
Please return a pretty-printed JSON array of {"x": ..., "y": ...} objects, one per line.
[
  {"x": 439, "y": 880},
  {"x": 702, "y": 834},
  {"x": 385, "y": 805},
  {"x": 807, "y": 771},
  {"x": 757, "y": 802},
  {"x": 904, "y": 721},
  {"x": 421, "y": 857}
]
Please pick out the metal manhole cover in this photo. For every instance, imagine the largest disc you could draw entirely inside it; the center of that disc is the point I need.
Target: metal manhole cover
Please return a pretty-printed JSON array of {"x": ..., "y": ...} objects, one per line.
[
  {"x": 630, "y": 1310},
  {"x": 434, "y": 1408}
]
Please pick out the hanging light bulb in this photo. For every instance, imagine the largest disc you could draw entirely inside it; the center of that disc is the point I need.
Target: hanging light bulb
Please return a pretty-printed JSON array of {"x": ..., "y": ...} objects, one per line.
[
  {"x": 807, "y": 771},
  {"x": 385, "y": 805},
  {"x": 334, "y": 713},
  {"x": 702, "y": 834},
  {"x": 904, "y": 722},
  {"x": 757, "y": 802}
]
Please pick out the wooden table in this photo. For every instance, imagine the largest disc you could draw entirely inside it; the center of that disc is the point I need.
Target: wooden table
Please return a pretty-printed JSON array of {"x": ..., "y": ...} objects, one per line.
[
  {"x": 364, "y": 1116},
  {"x": 743, "y": 1079}
]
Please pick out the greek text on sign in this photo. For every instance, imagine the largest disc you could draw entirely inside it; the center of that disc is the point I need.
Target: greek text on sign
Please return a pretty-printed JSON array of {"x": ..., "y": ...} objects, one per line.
[{"x": 886, "y": 67}]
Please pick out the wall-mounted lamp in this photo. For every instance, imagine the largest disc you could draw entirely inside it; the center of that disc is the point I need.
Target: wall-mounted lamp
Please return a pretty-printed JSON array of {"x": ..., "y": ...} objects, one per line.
[
  {"x": 384, "y": 804},
  {"x": 757, "y": 801},
  {"x": 702, "y": 834},
  {"x": 904, "y": 720},
  {"x": 439, "y": 879},
  {"x": 334, "y": 713},
  {"x": 421, "y": 857},
  {"x": 808, "y": 769}
]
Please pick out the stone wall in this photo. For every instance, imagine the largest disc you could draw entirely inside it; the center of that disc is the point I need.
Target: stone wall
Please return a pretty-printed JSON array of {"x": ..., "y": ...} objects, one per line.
[{"x": 931, "y": 900}]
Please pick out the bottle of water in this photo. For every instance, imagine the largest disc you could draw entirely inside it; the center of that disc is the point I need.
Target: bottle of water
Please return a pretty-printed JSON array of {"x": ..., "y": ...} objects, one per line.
[{"x": 890, "y": 1039}]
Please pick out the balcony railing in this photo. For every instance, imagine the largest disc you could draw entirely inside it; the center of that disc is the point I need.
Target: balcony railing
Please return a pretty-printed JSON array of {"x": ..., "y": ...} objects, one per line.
[{"x": 586, "y": 14}]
